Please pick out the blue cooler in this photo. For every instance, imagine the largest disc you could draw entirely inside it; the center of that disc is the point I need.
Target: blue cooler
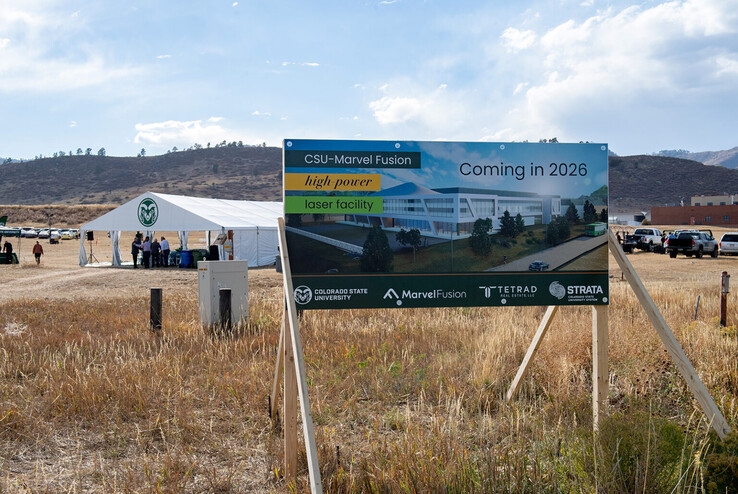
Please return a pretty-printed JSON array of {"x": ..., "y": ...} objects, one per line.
[{"x": 186, "y": 259}]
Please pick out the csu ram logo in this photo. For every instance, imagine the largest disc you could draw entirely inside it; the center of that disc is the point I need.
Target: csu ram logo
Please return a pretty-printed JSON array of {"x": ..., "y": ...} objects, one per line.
[
  {"x": 303, "y": 294},
  {"x": 148, "y": 212}
]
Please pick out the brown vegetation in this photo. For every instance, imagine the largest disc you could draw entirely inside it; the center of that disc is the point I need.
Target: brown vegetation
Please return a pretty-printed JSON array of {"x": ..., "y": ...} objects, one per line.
[
  {"x": 243, "y": 173},
  {"x": 403, "y": 400}
]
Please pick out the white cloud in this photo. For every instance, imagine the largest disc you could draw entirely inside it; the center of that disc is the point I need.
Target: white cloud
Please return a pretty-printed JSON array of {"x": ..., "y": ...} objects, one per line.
[
  {"x": 35, "y": 57},
  {"x": 311, "y": 64},
  {"x": 425, "y": 109},
  {"x": 515, "y": 40},
  {"x": 161, "y": 57},
  {"x": 184, "y": 133},
  {"x": 234, "y": 4},
  {"x": 520, "y": 87},
  {"x": 258, "y": 113},
  {"x": 585, "y": 74},
  {"x": 727, "y": 65},
  {"x": 72, "y": 123}
]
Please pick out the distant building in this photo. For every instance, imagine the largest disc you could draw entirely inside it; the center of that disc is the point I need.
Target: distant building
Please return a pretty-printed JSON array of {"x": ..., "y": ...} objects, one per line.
[
  {"x": 725, "y": 215},
  {"x": 441, "y": 212},
  {"x": 714, "y": 200}
]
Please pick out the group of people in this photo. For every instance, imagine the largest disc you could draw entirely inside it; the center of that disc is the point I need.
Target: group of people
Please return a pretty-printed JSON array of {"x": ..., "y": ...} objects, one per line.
[
  {"x": 155, "y": 253},
  {"x": 37, "y": 250}
]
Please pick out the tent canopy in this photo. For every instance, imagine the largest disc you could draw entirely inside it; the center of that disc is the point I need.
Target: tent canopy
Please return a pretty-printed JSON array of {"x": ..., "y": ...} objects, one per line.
[
  {"x": 254, "y": 222},
  {"x": 183, "y": 213}
]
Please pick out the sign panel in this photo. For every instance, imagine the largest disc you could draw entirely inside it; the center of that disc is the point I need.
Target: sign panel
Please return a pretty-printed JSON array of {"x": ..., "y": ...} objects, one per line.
[{"x": 387, "y": 224}]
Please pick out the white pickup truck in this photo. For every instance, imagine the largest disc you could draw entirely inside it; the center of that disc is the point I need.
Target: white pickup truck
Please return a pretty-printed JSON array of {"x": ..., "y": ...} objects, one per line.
[{"x": 642, "y": 238}]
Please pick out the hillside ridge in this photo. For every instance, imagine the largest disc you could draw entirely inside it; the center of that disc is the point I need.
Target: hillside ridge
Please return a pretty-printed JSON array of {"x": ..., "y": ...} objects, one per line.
[{"x": 255, "y": 173}]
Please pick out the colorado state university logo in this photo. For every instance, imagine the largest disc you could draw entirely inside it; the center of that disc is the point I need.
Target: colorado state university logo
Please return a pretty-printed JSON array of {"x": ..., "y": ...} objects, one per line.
[
  {"x": 303, "y": 294},
  {"x": 148, "y": 212}
]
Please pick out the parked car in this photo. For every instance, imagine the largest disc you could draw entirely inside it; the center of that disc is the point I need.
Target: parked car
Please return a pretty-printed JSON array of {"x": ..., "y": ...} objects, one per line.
[
  {"x": 538, "y": 266},
  {"x": 44, "y": 233},
  {"x": 692, "y": 243},
  {"x": 729, "y": 244},
  {"x": 66, "y": 235}
]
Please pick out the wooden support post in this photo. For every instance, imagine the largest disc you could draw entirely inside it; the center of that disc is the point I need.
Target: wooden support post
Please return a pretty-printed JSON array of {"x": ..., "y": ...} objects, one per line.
[
  {"x": 274, "y": 397},
  {"x": 155, "y": 311},
  {"x": 532, "y": 350},
  {"x": 600, "y": 372},
  {"x": 224, "y": 306},
  {"x": 724, "y": 282},
  {"x": 681, "y": 361},
  {"x": 289, "y": 413},
  {"x": 292, "y": 332}
]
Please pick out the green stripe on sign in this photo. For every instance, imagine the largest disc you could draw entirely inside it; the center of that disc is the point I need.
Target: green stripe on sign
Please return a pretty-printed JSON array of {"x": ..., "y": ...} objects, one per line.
[{"x": 323, "y": 204}]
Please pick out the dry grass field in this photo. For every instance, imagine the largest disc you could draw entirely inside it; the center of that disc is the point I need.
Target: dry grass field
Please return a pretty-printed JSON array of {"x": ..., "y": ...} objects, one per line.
[{"x": 403, "y": 400}]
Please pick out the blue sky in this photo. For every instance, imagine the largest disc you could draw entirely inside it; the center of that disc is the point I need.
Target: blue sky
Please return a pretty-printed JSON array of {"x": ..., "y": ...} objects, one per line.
[{"x": 126, "y": 75}]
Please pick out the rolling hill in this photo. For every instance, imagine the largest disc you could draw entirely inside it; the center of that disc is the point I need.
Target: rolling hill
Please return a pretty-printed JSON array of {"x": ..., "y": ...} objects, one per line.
[{"x": 254, "y": 173}]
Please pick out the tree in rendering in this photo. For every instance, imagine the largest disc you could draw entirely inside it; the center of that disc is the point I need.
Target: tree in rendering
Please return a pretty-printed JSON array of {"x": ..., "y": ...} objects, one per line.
[
  {"x": 590, "y": 214},
  {"x": 603, "y": 215},
  {"x": 377, "y": 254},
  {"x": 572, "y": 216},
  {"x": 480, "y": 241},
  {"x": 519, "y": 224},
  {"x": 411, "y": 238},
  {"x": 507, "y": 225}
]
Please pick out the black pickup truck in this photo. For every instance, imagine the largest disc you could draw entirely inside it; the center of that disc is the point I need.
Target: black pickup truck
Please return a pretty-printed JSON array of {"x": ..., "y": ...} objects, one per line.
[{"x": 692, "y": 243}]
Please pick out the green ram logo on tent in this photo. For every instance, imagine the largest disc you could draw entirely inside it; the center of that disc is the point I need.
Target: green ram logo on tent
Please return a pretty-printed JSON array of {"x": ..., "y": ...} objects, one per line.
[{"x": 148, "y": 212}]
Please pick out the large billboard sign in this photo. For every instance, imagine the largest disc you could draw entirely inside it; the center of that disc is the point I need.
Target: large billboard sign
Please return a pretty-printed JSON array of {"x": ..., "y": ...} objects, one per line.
[{"x": 387, "y": 224}]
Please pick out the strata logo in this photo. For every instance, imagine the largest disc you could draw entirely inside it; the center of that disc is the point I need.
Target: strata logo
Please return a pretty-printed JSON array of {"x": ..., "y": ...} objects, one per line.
[
  {"x": 557, "y": 290},
  {"x": 509, "y": 291},
  {"x": 577, "y": 293},
  {"x": 303, "y": 294},
  {"x": 437, "y": 294}
]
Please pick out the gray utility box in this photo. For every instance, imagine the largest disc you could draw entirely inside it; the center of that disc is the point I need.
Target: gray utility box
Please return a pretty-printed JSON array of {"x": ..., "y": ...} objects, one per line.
[{"x": 214, "y": 275}]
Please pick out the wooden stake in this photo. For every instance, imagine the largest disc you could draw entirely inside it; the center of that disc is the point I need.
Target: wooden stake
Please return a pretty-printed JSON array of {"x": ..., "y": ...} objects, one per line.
[
  {"x": 155, "y": 310},
  {"x": 289, "y": 425},
  {"x": 670, "y": 342},
  {"x": 600, "y": 373},
  {"x": 532, "y": 350},
  {"x": 274, "y": 397},
  {"x": 293, "y": 332}
]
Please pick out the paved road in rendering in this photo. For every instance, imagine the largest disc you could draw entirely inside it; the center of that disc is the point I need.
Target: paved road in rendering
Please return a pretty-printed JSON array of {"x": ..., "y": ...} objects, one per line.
[{"x": 556, "y": 256}]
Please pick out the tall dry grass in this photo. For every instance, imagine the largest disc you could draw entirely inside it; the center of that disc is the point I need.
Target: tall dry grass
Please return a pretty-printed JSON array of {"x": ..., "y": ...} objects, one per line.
[{"x": 403, "y": 400}]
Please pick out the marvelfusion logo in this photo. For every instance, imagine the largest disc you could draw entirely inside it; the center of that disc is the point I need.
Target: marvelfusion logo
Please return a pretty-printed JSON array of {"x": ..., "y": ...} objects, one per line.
[{"x": 438, "y": 293}]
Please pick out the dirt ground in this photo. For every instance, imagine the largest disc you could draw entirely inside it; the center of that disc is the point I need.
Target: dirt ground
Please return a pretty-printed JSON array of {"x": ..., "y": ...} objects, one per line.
[{"x": 60, "y": 277}]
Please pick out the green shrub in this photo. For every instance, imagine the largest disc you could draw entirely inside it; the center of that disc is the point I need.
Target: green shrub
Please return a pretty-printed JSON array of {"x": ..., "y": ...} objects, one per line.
[
  {"x": 636, "y": 452},
  {"x": 722, "y": 466}
]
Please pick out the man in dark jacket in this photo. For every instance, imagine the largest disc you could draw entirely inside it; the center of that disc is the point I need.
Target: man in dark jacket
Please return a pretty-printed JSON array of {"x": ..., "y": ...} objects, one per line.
[
  {"x": 155, "y": 253},
  {"x": 135, "y": 248}
]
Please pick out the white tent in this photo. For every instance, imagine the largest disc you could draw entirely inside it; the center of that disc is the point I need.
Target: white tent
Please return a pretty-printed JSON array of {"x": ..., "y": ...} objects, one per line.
[{"x": 254, "y": 223}]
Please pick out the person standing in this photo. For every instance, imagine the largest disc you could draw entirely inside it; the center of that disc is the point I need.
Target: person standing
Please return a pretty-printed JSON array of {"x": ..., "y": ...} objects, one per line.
[
  {"x": 155, "y": 254},
  {"x": 37, "y": 251},
  {"x": 146, "y": 247},
  {"x": 165, "y": 252},
  {"x": 8, "y": 247},
  {"x": 135, "y": 248}
]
